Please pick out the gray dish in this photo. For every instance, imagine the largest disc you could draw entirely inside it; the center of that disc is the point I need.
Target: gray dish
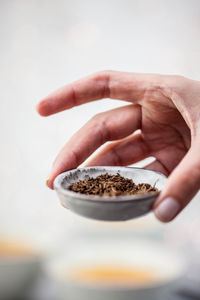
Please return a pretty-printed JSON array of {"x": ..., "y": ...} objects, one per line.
[{"x": 119, "y": 208}]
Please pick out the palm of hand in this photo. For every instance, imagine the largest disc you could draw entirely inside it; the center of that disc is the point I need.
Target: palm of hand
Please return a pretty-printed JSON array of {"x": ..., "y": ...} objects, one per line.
[{"x": 165, "y": 133}]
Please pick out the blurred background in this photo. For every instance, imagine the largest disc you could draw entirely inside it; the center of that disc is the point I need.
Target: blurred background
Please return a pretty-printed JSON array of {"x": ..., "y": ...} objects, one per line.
[{"x": 45, "y": 44}]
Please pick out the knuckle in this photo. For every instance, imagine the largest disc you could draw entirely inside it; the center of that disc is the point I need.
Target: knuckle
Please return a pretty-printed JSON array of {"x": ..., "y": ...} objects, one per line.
[
  {"x": 99, "y": 121},
  {"x": 177, "y": 77},
  {"x": 195, "y": 173},
  {"x": 175, "y": 86},
  {"x": 103, "y": 78},
  {"x": 103, "y": 74},
  {"x": 97, "y": 118},
  {"x": 106, "y": 72},
  {"x": 174, "y": 78}
]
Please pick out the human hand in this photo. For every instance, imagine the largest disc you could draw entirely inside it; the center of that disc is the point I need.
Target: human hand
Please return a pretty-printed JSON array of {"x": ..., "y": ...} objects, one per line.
[{"x": 166, "y": 110}]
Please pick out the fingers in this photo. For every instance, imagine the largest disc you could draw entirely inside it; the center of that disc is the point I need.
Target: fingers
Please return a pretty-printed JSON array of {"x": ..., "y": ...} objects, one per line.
[
  {"x": 84, "y": 90},
  {"x": 158, "y": 167},
  {"x": 106, "y": 84},
  {"x": 182, "y": 185},
  {"x": 112, "y": 125},
  {"x": 167, "y": 158},
  {"x": 122, "y": 153}
]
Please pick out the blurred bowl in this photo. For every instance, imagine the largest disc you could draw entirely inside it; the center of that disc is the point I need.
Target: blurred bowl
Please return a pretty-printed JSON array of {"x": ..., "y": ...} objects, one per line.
[
  {"x": 19, "y": 266},
  {"x": 157, "y": 267}
]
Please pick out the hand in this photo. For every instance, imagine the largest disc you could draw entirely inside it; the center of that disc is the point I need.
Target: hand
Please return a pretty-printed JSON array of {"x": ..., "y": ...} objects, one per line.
[{"x": 166, "y": 110}]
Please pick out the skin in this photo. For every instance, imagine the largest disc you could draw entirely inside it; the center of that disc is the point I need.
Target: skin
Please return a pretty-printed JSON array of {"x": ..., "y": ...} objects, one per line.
[{"x": 164, "y": 108}]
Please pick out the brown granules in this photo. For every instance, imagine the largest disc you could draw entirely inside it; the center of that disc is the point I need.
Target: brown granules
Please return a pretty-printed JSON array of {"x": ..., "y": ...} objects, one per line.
[{"x": 110, "y": 185}]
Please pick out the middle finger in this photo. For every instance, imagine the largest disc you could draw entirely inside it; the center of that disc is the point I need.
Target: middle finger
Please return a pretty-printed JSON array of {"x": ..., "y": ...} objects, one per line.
[{"x": 111, "y": 125}]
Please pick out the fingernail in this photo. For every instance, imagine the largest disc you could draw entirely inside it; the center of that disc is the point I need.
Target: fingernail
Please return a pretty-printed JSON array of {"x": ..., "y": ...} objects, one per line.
[{"x": 167, "y": 209}]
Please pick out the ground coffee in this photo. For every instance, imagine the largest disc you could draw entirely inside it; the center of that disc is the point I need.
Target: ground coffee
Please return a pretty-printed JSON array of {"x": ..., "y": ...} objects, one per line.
[{"x": 110, "y": 185}]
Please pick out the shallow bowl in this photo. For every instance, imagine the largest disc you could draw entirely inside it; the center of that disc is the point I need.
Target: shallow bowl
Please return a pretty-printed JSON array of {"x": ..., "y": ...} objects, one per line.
[
  {"x": 17, "y": 274},
  {"x": 133, "y": 253},
  {"x": 118, "y": 208}
]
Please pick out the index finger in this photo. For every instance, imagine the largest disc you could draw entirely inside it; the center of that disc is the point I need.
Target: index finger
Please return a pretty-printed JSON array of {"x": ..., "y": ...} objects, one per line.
[{"x": 107, "y": 84}]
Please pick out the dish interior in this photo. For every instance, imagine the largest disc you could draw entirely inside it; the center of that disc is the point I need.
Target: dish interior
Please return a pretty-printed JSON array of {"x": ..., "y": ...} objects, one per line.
[{"x": 138, "y": 175}]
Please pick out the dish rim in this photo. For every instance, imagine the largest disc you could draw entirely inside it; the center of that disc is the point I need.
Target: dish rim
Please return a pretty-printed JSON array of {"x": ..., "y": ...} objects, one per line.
[{"x": 107, "y": 199}]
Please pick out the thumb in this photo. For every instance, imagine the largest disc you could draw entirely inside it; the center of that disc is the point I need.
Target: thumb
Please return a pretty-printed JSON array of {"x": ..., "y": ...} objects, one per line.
[{"x": 182, "y": 185}]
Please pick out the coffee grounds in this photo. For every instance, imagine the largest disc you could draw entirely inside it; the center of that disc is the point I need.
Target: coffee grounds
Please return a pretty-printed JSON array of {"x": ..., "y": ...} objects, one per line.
[{"x": 111, "y": 185}]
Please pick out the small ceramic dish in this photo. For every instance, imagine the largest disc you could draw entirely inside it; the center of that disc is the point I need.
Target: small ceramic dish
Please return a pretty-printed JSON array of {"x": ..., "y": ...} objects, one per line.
[{"x": 118, "y": 208}]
